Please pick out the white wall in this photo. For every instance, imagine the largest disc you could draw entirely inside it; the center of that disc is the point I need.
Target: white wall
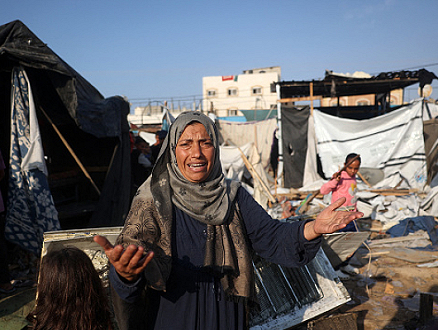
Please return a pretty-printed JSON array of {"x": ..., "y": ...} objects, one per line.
[{"x": 245, "y": 99}]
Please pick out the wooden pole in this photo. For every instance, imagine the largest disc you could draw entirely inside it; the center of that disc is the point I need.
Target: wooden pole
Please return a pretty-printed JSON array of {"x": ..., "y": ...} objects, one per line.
[
  {"x": 71, "y": 151},
  {"x": 255, "y": 175},
  {"x": 255, "y": 137},
  {"x": 311, "y": 98},
  {"x": 363, "y": 179},
  {"x": 112, "y": 160}
]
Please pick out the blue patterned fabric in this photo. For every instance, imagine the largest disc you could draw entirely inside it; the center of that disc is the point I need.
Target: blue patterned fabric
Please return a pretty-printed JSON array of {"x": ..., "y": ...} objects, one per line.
[{"x": 30, "y": 207}]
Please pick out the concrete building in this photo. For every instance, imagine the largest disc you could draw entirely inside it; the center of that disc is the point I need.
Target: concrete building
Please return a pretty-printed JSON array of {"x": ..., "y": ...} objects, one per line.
[
  {"x": 152, "y": 114},
  {"x": 226, "y": 95}
]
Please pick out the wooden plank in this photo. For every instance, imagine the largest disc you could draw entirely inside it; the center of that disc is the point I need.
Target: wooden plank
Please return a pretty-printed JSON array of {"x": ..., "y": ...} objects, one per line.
[
  {"x": 390, "y": 240},
  {"x": 404, "y": 191},
  {"x": 303, "y": 98},
  {"x": 411, "y": 255},
  {"x": 376, "y": 253}
]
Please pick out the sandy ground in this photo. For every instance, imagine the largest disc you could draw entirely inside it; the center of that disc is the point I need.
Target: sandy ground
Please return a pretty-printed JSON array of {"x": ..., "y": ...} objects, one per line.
[
  {"x": 390, "y": 298},
  {"x": 386, "y": 292}
]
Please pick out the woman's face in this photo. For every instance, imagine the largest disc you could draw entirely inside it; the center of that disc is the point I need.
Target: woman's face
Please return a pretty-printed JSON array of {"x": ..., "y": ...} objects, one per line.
[{"x": 195, "y": 153}]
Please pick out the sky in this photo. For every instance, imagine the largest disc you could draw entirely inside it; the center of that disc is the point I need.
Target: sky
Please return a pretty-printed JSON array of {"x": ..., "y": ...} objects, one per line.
[{"x": 160, "y": 50}]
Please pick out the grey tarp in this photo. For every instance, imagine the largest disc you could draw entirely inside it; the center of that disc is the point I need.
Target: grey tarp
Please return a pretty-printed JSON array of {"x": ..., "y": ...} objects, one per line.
[
  {"x": 430, "y": 133},
  {"x": 294, "y": 135},
  {"x": 95, "y": 127}
]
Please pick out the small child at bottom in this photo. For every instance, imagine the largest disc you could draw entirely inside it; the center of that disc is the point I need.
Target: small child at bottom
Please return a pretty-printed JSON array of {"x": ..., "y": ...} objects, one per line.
[
  {"x": 343, "y": 184},
  {"x": 70, "y": 294}
]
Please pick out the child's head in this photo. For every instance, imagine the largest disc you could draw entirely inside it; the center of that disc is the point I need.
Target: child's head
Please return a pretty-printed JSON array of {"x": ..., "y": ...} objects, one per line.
[
  {"x": 142, "y": 145},
  {"x": 160, "y": 136},
  {"x": 352, "y": 168},
  {"x": 69, "y": 288}
]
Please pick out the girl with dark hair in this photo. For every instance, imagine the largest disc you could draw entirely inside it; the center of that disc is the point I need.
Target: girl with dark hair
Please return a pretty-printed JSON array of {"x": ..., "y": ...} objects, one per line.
[
  {"x": 70, "y": 294},
  {"x": 344, "y": 184}
]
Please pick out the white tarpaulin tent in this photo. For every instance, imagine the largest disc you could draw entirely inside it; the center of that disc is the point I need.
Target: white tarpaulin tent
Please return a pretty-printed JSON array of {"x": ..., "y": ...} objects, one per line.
[
  {"x": 392, "y": 142},
  {"x": 234, "y": 168},
  {"x": 261, "y": 133}
]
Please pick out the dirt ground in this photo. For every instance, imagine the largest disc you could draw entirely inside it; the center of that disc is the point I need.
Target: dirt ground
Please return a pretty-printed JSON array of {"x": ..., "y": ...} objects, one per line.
[
  {"x": 390, "y": 298},
  {"x": 386, "y": 293}
]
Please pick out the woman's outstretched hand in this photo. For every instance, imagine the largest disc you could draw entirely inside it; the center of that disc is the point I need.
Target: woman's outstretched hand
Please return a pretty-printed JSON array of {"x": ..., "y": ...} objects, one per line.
[
  {"x": 330, "y": 220},
  {"x": 128, "y": 263}
]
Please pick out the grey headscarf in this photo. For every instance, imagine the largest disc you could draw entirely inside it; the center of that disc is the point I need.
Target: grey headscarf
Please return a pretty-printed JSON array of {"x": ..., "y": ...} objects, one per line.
[{"x": 209, "y": 201}]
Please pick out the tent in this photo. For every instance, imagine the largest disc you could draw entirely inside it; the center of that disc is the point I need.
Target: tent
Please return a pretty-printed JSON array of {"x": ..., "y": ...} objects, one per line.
[
  {"x": 392, "y": 142},
  {"x": 334, "y": 85},
  {"x": 80, "y": 139}
]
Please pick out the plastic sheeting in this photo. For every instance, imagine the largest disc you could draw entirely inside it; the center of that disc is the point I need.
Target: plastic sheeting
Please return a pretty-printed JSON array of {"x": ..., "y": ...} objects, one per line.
[
  {"x": 411, "y": 225},
  {"x": 71, "y": 102},
  {"x": 92, "y": 112},
  {"x": 260, "y": 133},
  {"x": 294, "y": 134},
  {"x": 392, "y": 142},
  {"x": 235, "y": 168},
  {"x": 30, "y": 210}
]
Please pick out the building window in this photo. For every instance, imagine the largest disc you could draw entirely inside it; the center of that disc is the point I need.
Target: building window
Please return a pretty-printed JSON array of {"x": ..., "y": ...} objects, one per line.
[
  {"x": 211, "y": 93},
  {"x": 232, "y": 91},
  {"x": 232, "y": 112},
  {"x": 256, "y": 91},
  {"x": 363, "y": 102},
  {"x": 335, "y": 103}
]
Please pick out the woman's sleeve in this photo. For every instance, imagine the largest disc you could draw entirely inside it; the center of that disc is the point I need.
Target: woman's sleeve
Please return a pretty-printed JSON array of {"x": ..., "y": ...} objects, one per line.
[
  {"x": 129, "y": 292},
  {"x": 278, "y": 242},
  {"x": 2, "y": 163}
]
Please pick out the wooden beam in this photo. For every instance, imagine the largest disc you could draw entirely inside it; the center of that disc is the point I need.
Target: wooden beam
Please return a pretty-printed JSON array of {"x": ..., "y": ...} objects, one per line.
[
  {"x": 296, "y": 99},
  {"x": 255, "y": 175},
  {"x": 67, "y": 145},
  {"x": 311, "y": 98},
  {"x": 363, "y": 179}
]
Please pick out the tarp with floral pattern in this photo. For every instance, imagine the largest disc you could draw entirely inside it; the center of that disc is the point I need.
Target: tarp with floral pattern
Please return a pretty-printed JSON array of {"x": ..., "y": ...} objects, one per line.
[{"x": 30, "y": 210}]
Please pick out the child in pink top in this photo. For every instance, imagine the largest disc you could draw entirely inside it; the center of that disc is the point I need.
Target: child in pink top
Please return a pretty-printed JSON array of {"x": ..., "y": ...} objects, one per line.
[{"x": 343, "y": 184}]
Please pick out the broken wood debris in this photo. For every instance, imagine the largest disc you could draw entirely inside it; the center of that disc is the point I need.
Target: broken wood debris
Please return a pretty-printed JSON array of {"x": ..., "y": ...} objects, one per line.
[
  {"x": 394, "y": 191},
  {"x": 391, "y": 240}
]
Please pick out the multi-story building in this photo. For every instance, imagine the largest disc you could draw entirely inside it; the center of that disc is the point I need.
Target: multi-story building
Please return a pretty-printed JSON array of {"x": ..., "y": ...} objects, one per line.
[{"x": 226, "y": 95}]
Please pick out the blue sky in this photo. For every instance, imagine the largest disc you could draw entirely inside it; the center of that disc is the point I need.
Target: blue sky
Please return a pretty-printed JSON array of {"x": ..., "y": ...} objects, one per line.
[{"x": 147, "y": 50}]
